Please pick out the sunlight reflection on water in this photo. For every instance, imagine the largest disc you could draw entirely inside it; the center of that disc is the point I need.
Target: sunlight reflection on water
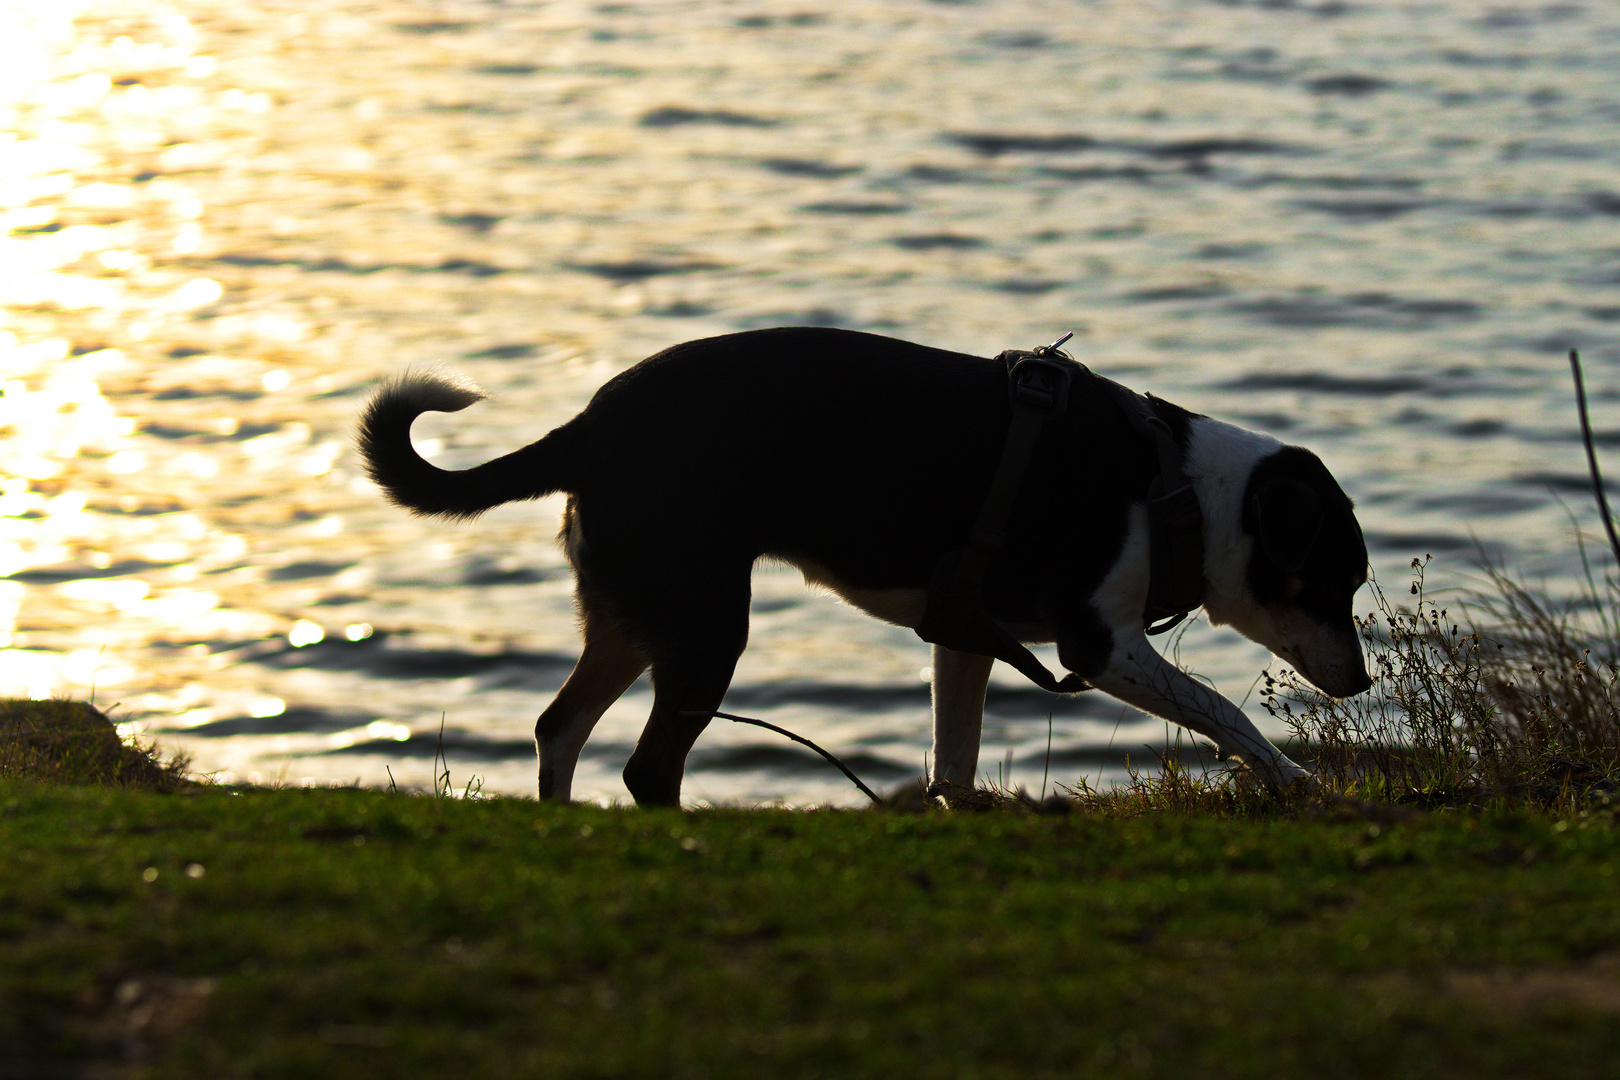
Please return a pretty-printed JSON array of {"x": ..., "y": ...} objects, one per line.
[{"x": 1369, "y": 230}]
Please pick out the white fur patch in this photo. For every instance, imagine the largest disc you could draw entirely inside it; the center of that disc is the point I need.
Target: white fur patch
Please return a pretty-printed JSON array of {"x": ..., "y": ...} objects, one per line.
[
  {"x": 902, "y": 607},
  {"x": 1120, "y": 597},
  {"x": 1220, "y": 459}
]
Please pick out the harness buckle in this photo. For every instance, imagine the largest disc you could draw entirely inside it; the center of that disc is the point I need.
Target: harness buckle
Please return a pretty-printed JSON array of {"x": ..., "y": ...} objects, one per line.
[
  {"x": 1041, "y": 381},
  {"x": 1177, "y": 511}
]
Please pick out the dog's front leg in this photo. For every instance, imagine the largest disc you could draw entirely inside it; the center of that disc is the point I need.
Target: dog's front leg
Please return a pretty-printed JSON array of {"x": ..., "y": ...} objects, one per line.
[
  {"x": 1138, "y": 675},
  {"x": 959, "y": 684}
]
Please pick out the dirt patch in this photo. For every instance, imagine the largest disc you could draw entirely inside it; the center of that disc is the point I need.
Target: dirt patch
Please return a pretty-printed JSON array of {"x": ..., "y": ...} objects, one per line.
[{"x": 1590, "y": 987}]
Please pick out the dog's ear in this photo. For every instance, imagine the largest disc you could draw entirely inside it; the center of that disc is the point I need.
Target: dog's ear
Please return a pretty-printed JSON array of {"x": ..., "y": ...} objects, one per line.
[{"x": 1289, "y": 515}]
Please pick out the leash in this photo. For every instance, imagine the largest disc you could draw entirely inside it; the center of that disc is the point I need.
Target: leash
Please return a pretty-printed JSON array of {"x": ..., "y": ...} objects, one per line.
[
  {"x": 868, "y": 792},
  {"x": 1038, "y": 385},
  {"x": 1038, "y": 391}
]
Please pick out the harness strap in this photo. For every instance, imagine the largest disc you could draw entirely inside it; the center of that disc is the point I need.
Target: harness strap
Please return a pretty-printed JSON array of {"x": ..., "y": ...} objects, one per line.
[
  {"x": 1175, "y": 520},
  {"x": 1038, "y": 387}
]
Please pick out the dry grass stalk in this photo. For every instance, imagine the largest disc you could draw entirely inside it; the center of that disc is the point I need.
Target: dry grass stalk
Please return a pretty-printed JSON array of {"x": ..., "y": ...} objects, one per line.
[{"x": 1558, "y": 700}]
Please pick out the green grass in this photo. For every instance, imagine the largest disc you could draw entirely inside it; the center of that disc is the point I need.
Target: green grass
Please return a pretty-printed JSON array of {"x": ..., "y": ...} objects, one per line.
[
  {"x": 323, "y": 933},
  {"x": 70, "y": 742}
]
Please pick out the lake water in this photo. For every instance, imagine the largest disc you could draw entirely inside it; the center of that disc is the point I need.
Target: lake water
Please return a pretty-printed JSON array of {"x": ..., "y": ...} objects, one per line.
[{"x": 1370, "y": 228}]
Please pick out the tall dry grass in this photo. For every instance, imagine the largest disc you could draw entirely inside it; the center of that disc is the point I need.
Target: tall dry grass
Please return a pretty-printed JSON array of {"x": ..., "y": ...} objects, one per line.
[
  {"x": 1500, "y": 705},
  {"x": 1514, "y": 698},
  {"x": 1556, "y": 673},
  {"x": 1501, "y": 702}
]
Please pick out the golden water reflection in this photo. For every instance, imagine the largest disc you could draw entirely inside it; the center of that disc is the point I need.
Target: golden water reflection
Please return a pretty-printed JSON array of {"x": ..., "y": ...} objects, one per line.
[
  {"x": 113, "y": 559},
  {"x": 219, "y": 224}
]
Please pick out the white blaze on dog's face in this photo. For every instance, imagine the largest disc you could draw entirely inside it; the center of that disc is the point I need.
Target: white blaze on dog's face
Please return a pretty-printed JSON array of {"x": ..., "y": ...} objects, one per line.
[{"x": 1284, "y": 554}]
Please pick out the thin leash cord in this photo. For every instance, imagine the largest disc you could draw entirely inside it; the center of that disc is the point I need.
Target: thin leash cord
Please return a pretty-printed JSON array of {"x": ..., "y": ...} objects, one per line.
[{"x": 868, "y": 792}]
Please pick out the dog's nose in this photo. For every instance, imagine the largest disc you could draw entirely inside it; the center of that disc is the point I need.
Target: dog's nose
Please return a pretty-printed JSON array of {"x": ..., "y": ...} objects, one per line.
[
  {"x": 1343, "y": 681},
  {"x": 1360, "y": 683}
]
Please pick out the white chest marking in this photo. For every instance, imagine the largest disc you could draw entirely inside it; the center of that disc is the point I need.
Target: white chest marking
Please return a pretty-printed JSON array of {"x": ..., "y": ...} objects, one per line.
[{"x": 902, "y": 607}]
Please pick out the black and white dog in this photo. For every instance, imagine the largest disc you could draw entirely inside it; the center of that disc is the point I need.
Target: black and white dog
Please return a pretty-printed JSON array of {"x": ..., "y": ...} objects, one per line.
[{"x": 862, "y": 460}]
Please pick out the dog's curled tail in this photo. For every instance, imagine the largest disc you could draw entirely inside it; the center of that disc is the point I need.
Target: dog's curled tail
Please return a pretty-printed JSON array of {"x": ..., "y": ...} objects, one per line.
[{"x": 410, "y": 481}]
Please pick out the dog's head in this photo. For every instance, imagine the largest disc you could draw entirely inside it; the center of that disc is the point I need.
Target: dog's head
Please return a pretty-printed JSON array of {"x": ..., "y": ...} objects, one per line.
[{"x": 1306, "y": 560}]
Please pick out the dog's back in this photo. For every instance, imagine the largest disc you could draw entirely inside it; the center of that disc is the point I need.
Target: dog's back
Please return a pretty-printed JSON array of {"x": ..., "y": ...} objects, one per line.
[{"x": 863, "y": 453}]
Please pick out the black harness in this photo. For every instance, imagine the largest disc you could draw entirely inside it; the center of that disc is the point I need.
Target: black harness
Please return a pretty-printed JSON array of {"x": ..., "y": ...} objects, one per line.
[{"x": 1038, "y": 384}]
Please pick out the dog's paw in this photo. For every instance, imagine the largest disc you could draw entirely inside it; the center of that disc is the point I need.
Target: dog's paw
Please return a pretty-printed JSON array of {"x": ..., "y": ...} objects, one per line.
[
  {"x": 949, "y": 796},
  {"x": 1286, "y": 776},
  {"x": 1279, "y": 774}
]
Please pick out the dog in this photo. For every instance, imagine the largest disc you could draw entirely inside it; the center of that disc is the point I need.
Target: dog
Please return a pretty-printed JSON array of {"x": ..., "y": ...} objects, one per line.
[{"x": 862, "y": 460}]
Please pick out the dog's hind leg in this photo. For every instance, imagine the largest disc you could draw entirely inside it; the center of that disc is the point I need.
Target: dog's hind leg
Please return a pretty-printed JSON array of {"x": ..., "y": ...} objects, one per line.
[
  {"x": 690, "y": 674},
  {"x": 686, "y": 693},
  {"x": 605, "y": 671},
  {"x": 959, "y": 684}
]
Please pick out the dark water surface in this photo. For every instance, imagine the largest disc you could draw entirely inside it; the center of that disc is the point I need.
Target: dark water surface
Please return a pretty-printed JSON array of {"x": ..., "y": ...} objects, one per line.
[{"x": 1369, "y": 228}]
